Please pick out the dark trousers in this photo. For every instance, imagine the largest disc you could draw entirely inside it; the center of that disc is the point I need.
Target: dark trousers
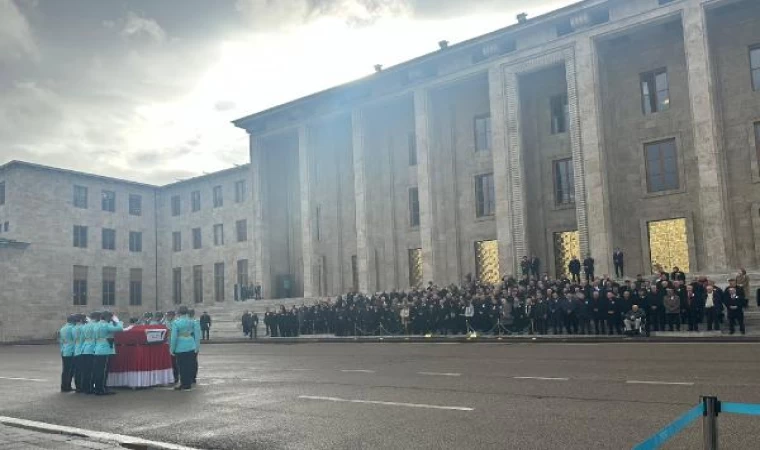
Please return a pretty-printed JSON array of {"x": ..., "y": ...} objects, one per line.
[
  {"x": 175, "y": 369},
  {"x": 85, "y": 373},
  {"x": 693, "y": 316},
  {"x": 571, "y": 323},
  {"x": 67, "y": 372},
  {"x": 205, "y": 333},
  {"x": 540, "y": 326},
  {"x": 589, "y": 276},
  {"x": 185, "y": 365},
  {"x": 556, "y": 321},
  {"x": 99, "y": 373},
  {"x": 654, "y": 321},
  {"x": 254, "y": 332},
  {"x": 576, "y": 277},
  {"x": 735, "y": 317},
  {"x": 619, "y": 270},
  {"x": 673, "y": 319},
  {"x": 78, "y": 373},
  {"x": 195, "y": 367},
  {"x": 585, "y": 325},
  {"x": 614, "y": 322},
  {"x": 599, "y": 326},
  {"x": 712, "y": 317}
]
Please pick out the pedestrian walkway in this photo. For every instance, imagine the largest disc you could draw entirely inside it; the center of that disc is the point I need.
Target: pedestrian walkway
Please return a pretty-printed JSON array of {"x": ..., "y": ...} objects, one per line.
[{"x": 15, "y": 438}]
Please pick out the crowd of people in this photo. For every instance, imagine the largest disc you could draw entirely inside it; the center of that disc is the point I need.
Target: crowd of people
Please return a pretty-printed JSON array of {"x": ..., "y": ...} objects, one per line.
[
  {"x": 87, "y": 342},
  {"x": 529, "y": 305}
]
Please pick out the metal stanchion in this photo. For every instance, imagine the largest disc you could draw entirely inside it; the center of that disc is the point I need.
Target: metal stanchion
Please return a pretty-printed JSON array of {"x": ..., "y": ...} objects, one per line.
[{"x": 710, "y": 422}]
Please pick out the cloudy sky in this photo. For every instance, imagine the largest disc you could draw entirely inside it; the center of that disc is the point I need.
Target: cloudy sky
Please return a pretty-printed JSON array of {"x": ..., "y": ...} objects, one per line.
[{"x": 146, "y": 89}]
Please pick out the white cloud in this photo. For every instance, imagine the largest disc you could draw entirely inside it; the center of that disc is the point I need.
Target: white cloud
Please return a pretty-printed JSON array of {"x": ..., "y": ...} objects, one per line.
[
  {"x": 16, "y": 38},
  {"x": 285, "y": 13},
  {"x": 136, "y": 26}
]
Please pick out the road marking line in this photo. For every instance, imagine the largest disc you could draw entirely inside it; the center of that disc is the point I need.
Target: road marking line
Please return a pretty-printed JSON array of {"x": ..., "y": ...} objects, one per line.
[
  {"x": 440, "y": 374},
  {"x": 542, "y": 378},
  {"x": 299, "y": 370},
  {"x": 36, "y": 380},
  {"x": 357, "y": 371},
  {"x": 666, "y": 383},
  {"x": 91, "y": 434},
  {"x": 374, "y": 402}
]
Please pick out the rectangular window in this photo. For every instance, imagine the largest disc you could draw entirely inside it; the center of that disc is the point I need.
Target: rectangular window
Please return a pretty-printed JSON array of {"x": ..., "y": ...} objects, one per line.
[
  {"x": 80, "y": 197},
  {"x": 197, "y": 238},
  {"x": 483, "y": 133},
  {"x": 485, "y": 202},
  {"x": 564, "y": 182},
  {"x": 109, "y": 239},
  {"x": 661, "y": 166},
  {"x": 240, "y": 191},
  {"x": 109, "y": 286},
  {"x": 177, "y": 241},
  {"x": 2, "y": 193},
  {"x": 195, "y": 200},
  {"x": 560, "y": 112},
  {"x": 241, "y": 230},
  {"x": 242, "y": 272},
  {"x": 177, "y": 285},
  {"x": 412, "y": 149},
  {"x": 135, "y": 205},
  {"x": 414, "y": 207},
  {"x": 754, "y": 62},
  {"x": 218, "y": 234},
  {"x": 175, "y": 205},
  {"x": 135, "y": 287},
  {"x": 219, "y": 282},
  {"x": 80, "y": 285},
  {"x": 198, "y": 284},
  {"x": 655, "y": 91},
  {"x": 135, "y": 241},
  {"x": 108, "y": 201},
  {"x": 218, "y": 198},
  {"x": 80, "y": 236}
]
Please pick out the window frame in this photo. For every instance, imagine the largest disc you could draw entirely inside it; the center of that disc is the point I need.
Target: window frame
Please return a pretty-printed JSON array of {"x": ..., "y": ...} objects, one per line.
[
  {"x": 414, "y": 206},
  {"x": 176, "y": 205},
  {"x": 240, "y": 191},
  {"x": 646, "y": 167},
  {"x": 197, "y": 243},
  {"x": 568, "y": 162},
  {"x": 176, "y": 241},
  {"x": 177, "y": 285},
  {"x": 108, "y": 201},
  {"x": 80, "y": 196},
  {"x": 108, "y": 286},
  {"x": 241, "y": 230},
  {"x": 218, "y": 232},
  {"x": 652, "y": 97},
  {"x": 754, "y": 72},
  {"x": 488, "y": 133},
  {"x": 135, "y": 287},
  {"x": 219, "y": 282},
  {"x": 217, "y": 196},
  {"x": 565, "y": 110},
  {"x": 111, "y": 240},
  {"x": 2, "y": 193},
  {"x": 79, "y": 285},
  {"x": 135, "y": 241},
  {"x": 195, "y": 201},
  {"x": 135, "y": 205},
  {"x": 81, "y": 233},
  {"x": 198, "y": 284},
  {"x": 481, "y": 212}
]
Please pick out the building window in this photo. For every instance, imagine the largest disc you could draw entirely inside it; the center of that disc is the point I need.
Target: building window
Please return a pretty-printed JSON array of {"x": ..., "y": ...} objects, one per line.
[
  {"x": 485, "y": 202},
  {"x": 241, "y": 230},
  {"x": 412, "y": 144},
  {"x": 242, "y": 273},
  {"x": 661, "y": 166},
  {"x": 560, "y": 112},
  {"x": 135, "y": 287},
  {"x": 80, "y": 285},
  {"x": 176, "y": 241},
  {"x": 219, "y": 282},
  {"x": 564, "y": 182},
  {"x": 240, "y": 191},
  {"x": 109, "y": 239},
  {"x": 196, "y": 238},
  {"x": 218, "y": 198},
  {"x": 198, "y": 284},
  {"x": 108, "y": 201},
  {"x": 2, "y": 193},
  {"x": 80, "y": 197},
  {"x": 175, "y": 205},
  {"x": 483, "y": 133},
  {"x": 195, "y": 200},
  {"x": 135, "y": 205},
  {"x": 317, "y": 224},
  {"x": 655, "y": 92},
  {"x": 177, "y": 285},
  {"x": 109, "y": 286},
  {"x": 414, "y": 207},
  {"x": 80, "y": 236},
  {"x": 754, "y": 62},
  {"x": 218, "y": 234},
  {"x": 135, "y": 241}
]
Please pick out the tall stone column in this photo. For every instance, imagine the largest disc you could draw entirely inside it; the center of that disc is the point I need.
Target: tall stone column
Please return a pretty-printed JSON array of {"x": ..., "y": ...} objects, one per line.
[
  {"x": 307, "y": 237},
  {"x": 262, "y": 272},
  {"x": 500, "y": 151},
  {"x": 424, "y": 183},
  {"x": 360, "y": 191},
  {"x": 515, "y": 166},
  {"x": 714, "y": 215},
  {"x": 591, "y": 190}
]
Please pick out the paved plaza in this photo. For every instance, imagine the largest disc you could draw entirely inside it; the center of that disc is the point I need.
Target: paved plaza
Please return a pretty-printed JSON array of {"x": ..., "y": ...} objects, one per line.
[{"x": 415, "y": 395}]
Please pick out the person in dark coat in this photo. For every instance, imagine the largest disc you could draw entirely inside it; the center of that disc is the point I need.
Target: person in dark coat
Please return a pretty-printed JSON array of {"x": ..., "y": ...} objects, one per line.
[
  {"x": 205, "y": 325},
  {"x": 618, "y": 259},
  {"x": 535, "y": 266},
  {"x": 693, "y": 303},
  {"x": 588, "y": 268},
  {"x": 713, "y": 304},
  {"x": 598, "y": 311},
  {"x": 574, "y": 267},
  {"x": 614, "y": 314},
  {"x": 735, "y": 305},
  {"x": 525, "y": 267},
  {"x": 254, "y": 331},
  {"x": 584, "y": 313}
]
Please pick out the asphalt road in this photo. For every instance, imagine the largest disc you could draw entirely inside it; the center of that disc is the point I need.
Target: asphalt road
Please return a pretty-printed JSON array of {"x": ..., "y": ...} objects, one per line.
[{"x": 404, "y": 396}]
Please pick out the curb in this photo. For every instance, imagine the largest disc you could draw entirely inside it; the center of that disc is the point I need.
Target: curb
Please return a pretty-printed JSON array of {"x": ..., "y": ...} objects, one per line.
[
  {"x": 128, "y": 442},
  {"x": 486, "y": 340}
]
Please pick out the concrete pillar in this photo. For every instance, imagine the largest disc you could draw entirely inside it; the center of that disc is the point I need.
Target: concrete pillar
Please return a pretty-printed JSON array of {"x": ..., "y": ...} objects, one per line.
[
  {"x": 516, "y": 168},
  {"x": 497, "y": 99},
  {"x": 307, "y": 237},
  {"x": 591, "y": 190},
  {"x": 360, "y": 192},
  {"x": 262, "y": 272},
  {"x": 713, "y": 204},
  {"x": 424, "y": 184}
]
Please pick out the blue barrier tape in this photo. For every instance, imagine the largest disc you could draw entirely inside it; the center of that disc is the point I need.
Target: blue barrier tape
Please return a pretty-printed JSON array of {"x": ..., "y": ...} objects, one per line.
[
  {"x": 656, "y": 440},
  {"x": 740, "y": 408}
]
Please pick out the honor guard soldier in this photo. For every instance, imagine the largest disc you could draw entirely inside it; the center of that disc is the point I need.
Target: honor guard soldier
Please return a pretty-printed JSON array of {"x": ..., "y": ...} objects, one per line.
[
  {"x": 182, "y": 346},
  {"x": 104, "y": 348},
  {"x": 158, "y": 318},
  {"x": 66, "y": 341},
  {"x": 78, "y": 347},
  {"x": 197, "y": 336},
  {"x": 88, "y": 352}
]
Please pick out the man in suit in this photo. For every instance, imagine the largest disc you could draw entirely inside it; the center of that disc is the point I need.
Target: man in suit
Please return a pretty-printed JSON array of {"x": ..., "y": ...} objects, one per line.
[
  {"x": 575, "y": 269},
  {"x": 205, "y": 326},
  {"x": 254, "y": 326},
  {"x": 618, "y": 260},
  {"x": 693, "y": 303},
  {"x": 535, "y": 266},
  {"x": 735, "y": 305},
  {"x": 588, "y": 268},
  {"x": 713, "y": 306}
]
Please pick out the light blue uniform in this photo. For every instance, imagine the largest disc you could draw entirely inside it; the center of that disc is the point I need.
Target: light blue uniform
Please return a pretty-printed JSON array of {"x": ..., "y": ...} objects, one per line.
[
  {"x": 78, "y": 339},
  {"x": 104, "y": 331},
  {"x": 197, "y": 334},
  {"x": 182, "y": 335},
  {"x": 88, "y": 332},
  {"x": 66, "y": 340}
]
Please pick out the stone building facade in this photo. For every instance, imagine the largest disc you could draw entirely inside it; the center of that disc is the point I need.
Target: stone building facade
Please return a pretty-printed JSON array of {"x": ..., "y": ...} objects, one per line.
[{"x": 631, "y": 124}]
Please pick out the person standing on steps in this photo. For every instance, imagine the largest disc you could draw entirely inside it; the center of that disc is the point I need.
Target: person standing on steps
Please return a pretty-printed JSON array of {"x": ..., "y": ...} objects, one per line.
[
  {"x": 618, "y": 259},
  {"x": 205, "y": 326}
]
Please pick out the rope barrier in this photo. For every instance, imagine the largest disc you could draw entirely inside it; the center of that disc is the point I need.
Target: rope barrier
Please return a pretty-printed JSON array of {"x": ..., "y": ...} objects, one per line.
[{"x": 662, "y": 436}]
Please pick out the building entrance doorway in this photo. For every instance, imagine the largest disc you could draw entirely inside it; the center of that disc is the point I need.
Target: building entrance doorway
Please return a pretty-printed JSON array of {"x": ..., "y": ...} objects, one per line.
[
  {"x": 668, "y": 245},
  {"x": 487, "y": 261},
  {"x": 566, "y": 246}
]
